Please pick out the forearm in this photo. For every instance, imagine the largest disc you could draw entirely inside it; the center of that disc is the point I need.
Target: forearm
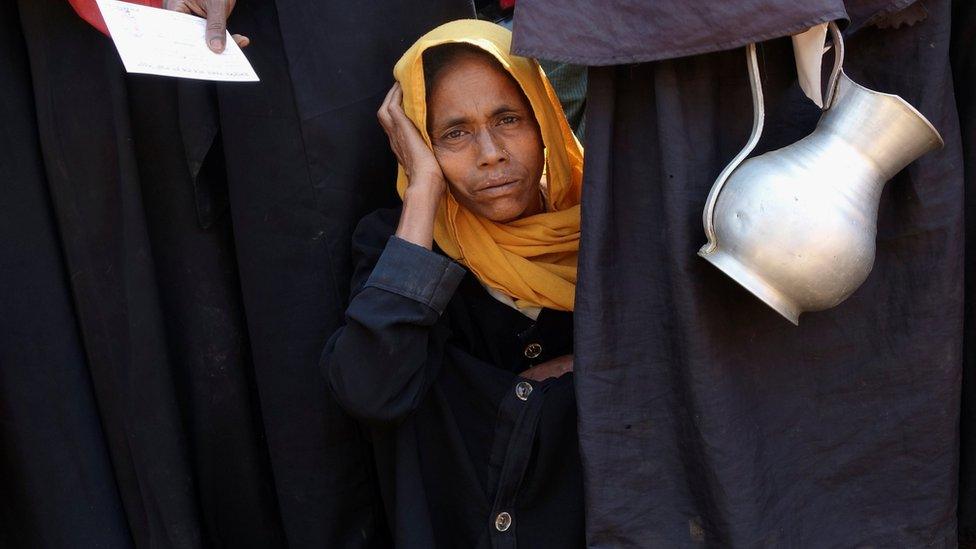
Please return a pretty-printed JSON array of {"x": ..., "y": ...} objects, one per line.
[
  {"x": 420, "y": 203},
  {"x": 376, "y": 365},
  {"x": 381, "y": 363}
]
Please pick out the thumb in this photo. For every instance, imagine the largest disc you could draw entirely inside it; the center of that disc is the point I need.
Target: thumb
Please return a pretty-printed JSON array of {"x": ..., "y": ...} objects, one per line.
[{"x": 216, "y": 25}]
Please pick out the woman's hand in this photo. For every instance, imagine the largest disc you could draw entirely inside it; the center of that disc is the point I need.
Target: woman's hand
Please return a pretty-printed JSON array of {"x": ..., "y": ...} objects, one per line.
[
  {"x": 550, "y": 368},
  {"x": 427, "y": 183},
  {"x": 408, "y": 145}
]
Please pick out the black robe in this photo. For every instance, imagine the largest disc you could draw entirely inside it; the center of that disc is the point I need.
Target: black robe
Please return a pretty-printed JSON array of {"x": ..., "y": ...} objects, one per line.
[
  {"x": 175, "y": 255},
  {"x": 964, "y": 80},
  {"x": 52, "y": 446},
  {"x": 729, "y": 425},
  {"x": 469, "y": 454}
]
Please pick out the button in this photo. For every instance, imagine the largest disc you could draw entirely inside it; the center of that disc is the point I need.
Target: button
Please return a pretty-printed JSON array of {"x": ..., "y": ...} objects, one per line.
[
  {"x": 533, "y": 350},
  {"x": 503, "y": 521},
  {"x": 523, "y": 389}
]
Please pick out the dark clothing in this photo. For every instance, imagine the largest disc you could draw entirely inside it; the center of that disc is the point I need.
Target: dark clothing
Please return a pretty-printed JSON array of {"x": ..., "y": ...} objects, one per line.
[
  {"x": 618, "y": 32},
  {"x": 430, "y": 362},
  {"x": 164, "y": 311},
  {"x": 964, "y": 79},
  {"x": 54, "y": 461},
  {"x": 728, "y": 425},
  {"x": 302, "y": 170},
  {"x": 154, "y": 384}
]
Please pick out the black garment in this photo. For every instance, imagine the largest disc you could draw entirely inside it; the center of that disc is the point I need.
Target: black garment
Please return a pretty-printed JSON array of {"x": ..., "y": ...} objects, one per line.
[
  {"x": 189, "y": 228},
  {"x": 84, "y": 128},
  {"x": 157, "y": 307},
  {"x": 728, "y": 425},
  {"x": 964, "y": 79},
  {"x": 54, "y": 462},
  {"x": 589, "y": 32},
  {"x": 302, "y": 168},
  {"x": 159, "y": 382},
  {"x": 430, "y": 361}
]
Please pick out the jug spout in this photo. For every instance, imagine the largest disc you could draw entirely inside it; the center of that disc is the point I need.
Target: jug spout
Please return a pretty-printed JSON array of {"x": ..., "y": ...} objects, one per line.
[{"x": 883, "y": 128}]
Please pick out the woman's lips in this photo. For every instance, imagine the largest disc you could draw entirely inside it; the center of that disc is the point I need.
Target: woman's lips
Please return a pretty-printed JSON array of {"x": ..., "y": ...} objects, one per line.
[{"x": 500, "y": 187}]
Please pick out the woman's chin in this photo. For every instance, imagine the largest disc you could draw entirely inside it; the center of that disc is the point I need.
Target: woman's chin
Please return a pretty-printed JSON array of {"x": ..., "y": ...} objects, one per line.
[{"x": 503, "y": 210}]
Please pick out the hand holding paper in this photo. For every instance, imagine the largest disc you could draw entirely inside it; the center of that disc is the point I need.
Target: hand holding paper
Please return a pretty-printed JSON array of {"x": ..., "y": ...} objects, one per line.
[
  {"x": 168, "y": 43},
  {"x": 216, "y": 12}
]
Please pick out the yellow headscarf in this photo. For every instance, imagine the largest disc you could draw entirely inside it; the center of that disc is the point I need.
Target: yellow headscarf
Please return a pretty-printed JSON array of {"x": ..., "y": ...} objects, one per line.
[{"x": 532, "y": 259}]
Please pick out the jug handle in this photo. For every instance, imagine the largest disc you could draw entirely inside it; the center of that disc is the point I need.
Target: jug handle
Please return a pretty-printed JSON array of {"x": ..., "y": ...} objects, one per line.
[
  {"x": 758, "y": 118},
  {"x": 837, "y": 40}
]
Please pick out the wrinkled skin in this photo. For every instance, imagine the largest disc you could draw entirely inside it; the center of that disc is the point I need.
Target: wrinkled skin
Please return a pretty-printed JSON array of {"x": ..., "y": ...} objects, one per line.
[{"x": 486, "y": 140}]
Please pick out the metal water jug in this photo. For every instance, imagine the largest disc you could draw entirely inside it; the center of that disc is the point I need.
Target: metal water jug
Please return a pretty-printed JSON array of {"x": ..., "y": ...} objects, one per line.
[{"x": 797, "y": 226}]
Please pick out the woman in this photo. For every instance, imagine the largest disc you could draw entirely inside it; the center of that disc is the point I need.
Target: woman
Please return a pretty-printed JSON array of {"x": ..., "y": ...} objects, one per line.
[{"x": 458, "y": 356}]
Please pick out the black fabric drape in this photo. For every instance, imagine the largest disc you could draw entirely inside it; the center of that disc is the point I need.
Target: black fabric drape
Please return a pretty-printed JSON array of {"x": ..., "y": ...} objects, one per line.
[
  {"x": 704, "y": 416},
  {"x": 305, "y": 160},
  {"x": 202, "y": 312},
  {"x": 204, "y": 234},
  {"x": 156, "y": 296},
  {"x": 53, "y": 459},
  {"x": 82, "y": 107},
  {"x": 618, "y": 32},
  {"x": 964, "y": 73}
]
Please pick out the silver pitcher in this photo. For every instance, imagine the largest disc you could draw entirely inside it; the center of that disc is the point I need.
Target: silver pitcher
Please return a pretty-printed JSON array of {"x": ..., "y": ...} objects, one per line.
[{"x": 797, "y": 226}]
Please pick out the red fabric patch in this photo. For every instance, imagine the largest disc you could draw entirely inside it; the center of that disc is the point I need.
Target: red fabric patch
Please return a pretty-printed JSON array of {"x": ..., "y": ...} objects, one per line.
[{"x": 88, "y": 10}]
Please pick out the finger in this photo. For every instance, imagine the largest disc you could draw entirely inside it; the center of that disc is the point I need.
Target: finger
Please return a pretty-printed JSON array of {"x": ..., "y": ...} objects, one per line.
[
  {"x": 384, "y": 117},
  {"x": 241, "y": 40},
  {"x": 389, "y": 129},
  {"x": 383, "y": 112},
  {"x": 216, "y": 25},
  {"x": 389, "y": 96},
  {"x": 186, "y": 6},
  {"x": 408, "y": 131},
  {"x": 396, "y": 104},
  {"x": 196, "y": 9},
  {"x": 390, "y": 103},
  {"x": 176, "y": 5}
]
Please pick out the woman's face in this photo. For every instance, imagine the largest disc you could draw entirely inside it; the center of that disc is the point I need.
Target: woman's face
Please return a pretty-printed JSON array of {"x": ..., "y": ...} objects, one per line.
[{"x": 486, "y": 140}]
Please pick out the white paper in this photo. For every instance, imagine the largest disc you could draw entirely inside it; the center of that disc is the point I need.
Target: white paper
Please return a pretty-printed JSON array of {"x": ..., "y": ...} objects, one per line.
[
  {"x": 808, "y": 49},
  {"x": 168, "y": 43}
]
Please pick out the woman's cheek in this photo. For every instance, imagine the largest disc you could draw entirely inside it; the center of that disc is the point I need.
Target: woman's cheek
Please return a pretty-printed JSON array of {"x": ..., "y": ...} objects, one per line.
[
  {"x": 461, "y": 172},
  {"x": 530, "y": 145},
  {"x": 448, "y": 163}
]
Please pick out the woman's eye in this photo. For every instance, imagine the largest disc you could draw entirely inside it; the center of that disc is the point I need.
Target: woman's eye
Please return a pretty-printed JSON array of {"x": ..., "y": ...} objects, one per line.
[
  {"x": 509, "y": 119},
  {"x": 453, "y": 134}
]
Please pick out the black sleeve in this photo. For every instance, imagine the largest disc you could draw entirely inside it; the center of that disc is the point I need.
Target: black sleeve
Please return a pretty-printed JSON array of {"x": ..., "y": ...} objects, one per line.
[{"x": 382, "y": 362}]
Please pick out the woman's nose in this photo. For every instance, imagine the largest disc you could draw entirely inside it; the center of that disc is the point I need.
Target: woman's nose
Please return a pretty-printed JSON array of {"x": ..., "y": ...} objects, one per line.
[{"x": 490, "y": 151}]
